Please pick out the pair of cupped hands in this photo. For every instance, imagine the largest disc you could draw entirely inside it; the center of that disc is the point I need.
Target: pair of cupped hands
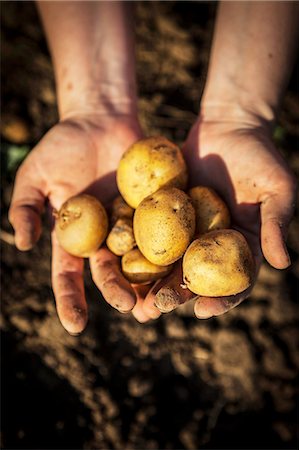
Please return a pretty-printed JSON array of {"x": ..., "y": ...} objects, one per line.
[{"x": 81, "y": 154}]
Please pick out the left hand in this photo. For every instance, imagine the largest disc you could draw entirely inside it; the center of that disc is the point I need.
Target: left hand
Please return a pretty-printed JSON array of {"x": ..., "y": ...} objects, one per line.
[{"x": 238, "y": 159}]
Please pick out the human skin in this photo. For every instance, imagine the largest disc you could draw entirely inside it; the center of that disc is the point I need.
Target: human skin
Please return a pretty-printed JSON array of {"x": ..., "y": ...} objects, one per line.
[
  {"x": 96, "y": 93},
  {"x": 230, "y": 146}
]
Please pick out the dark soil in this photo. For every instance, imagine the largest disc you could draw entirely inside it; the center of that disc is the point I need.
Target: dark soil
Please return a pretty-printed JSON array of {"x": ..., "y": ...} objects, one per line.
[{"x": 176, "y": 383}]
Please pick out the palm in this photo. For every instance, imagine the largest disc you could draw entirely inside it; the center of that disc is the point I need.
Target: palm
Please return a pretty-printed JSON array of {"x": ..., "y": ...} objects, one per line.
[
  {"x": 242, "y": 165},
  {"x": 79, "y": 155}
]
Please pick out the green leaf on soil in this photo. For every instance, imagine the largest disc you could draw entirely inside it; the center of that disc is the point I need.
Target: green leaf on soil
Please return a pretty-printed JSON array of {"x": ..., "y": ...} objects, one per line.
[
  {"x": 279, "y": 134},
  {"x": 15, "y": 155}
]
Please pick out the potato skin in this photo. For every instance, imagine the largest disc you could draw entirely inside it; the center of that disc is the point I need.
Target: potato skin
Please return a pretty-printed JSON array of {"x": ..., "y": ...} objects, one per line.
[
  {"x": 121, "y": 239},
  {"x": 149, "y": 165},
  {"x": 218, "y": 263},
  {"x": 120, "y": 209},
  {"x": 81, "y": 225},
  {"x": 138, "y": 270},
  {"x": 164, "y": 224},
  {"x": 211, "y": 211}
]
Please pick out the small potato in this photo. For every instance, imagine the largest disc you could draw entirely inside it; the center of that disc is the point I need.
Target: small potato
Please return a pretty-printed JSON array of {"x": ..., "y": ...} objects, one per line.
[
  {"x": 211, "y": 211},
  {"x": 219, "y": 263},
  {"x": 138, "y": 270},
  {"x": 164, "y": 224},
  {"x": 120, "y": 209},
  {"x": 121, "y": 239},
  {"x": 81, "y": 225},
  {"x": 149, "y": 165}
]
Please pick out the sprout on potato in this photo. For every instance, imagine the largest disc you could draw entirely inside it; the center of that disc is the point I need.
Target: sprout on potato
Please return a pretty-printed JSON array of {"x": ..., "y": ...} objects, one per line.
[{"x": 81, "y": 225}]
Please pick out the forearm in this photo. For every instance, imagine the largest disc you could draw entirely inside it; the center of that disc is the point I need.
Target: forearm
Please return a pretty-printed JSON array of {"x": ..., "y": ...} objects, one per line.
[
  {"x": 92, "y": 48},
  {"x": 251, "y": 59}
]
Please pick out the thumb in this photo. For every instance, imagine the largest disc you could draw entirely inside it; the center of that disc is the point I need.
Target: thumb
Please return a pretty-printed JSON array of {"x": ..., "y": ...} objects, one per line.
[
  {"x": 26, "y": 207},
  {"x": 276, "y": 214}
]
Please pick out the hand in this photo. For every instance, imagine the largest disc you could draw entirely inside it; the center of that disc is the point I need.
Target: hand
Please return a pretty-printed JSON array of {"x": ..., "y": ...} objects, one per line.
[
  {"x": 79, "y": 154},
  {"x": 241, "y": 163}
]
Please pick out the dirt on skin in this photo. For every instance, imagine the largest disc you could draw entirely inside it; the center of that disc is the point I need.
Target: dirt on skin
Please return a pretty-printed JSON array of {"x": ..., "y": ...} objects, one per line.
[{"x": 175, "y": 383}]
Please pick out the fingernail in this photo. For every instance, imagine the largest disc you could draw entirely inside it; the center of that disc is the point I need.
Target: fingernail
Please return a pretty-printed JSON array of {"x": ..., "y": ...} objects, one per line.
[
  {"x": 75, "y": 334},
  {"x": 123, "y": 310},
  {"x": 288, "y": 259},
  {"x": 200, "y": 313},
  {"x": 289, "y": 262},
  {"x": 203, "y": 316},
  {"x": 167, "y": 300},
  {"x": 23, "y": 243},
  {"x": 154, "y": 315}
]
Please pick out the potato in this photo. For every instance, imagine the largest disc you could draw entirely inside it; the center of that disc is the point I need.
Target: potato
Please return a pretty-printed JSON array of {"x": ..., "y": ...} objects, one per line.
[
  {"x": 138, "y": 270},
  {"x": 81, "y": 225},
  {"x": 164, "y": 224},
  {"x": 219, "y": 263},
  {"x": 149, "y": 165},
  {"x": 121, "y": 239},
  {"x": 210, "y": 210},
  {"x": 120, "y": 209}
]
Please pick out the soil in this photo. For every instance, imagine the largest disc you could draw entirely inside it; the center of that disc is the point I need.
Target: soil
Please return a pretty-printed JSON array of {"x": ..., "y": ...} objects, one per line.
[{"x": 175, "y": 383}]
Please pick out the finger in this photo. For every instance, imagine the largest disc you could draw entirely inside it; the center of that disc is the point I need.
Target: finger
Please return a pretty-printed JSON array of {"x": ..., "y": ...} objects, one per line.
[
  {"x": 138, "y": 311},
  {"x": 207, "y": 307},
  {"x": 167, "y": 294},
  {"x": 26, "y": 207},
  {"x": 276, "y": 214},
  {"x": 26, "y": 222},
  {"x": 148, "y": 304},
  {"x": 107, "y": 276},
  {"x": 68, "y": 288}
]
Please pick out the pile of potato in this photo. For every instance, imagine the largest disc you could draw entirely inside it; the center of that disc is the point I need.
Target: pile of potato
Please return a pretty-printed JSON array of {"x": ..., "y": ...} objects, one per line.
[{"x": 155, "y": 222}]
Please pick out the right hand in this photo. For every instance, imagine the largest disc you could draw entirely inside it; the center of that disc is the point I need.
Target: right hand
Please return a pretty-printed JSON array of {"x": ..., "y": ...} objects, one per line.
[{"x": 79, "y": 154}]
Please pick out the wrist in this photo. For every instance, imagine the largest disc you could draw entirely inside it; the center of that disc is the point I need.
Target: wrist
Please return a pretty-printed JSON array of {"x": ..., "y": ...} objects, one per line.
[
  {"x": 239, "y": 110},
  {"x": 236, "y": 105},
  {"x": 103, "y": 98}
]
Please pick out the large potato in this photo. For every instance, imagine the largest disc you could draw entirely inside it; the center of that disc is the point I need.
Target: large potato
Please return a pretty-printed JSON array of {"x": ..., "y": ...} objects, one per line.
[
  {"x": 149, "y": 165},
  {"x": 219, "y": 263},
  {"x": 81, "y": 225},
  {"x": 164, "y": 224},
  {"x": 138, "y": 270},
  {"x": 121, "y": 239},
  {"x": 210, "y": 210}
]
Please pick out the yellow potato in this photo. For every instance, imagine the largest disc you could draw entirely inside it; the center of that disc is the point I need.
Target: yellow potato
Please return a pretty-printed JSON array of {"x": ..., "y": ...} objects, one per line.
[
  {"x": 211, "y": 211},
  {"x": 121, "y": 239},
  {"x": 164, "y": 224},
  {"x": 149, "y": 165},
  {"x": 219, "y": 263},
  {"x": 120, "y": 209},
  {"x": 138, "y": 270},
  {"x": 81, "y": 225}
]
